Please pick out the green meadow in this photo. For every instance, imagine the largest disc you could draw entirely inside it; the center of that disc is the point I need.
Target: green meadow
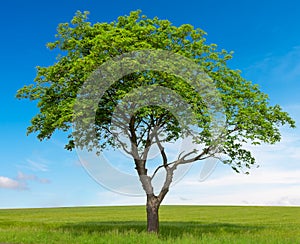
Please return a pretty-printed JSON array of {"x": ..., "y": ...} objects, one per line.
[{"x": 178, "y": 224}]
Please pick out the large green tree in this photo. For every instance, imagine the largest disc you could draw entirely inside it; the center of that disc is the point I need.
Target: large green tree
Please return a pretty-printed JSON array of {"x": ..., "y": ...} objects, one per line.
[{"x": 245, "y": 112}]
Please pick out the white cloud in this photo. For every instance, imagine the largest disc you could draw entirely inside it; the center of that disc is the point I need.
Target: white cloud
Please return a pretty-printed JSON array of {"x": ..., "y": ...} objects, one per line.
[
  {"x": 9, "y": 183},
  {"x": 260, "y": 177}
]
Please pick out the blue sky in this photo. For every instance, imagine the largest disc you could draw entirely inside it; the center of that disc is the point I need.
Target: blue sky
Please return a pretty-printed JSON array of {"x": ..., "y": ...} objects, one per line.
[{"x": 265, "y": 36}]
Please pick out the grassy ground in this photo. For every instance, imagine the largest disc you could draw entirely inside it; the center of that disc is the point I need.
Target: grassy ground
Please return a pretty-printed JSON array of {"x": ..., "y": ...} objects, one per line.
[{"x": 178, "y": 224}]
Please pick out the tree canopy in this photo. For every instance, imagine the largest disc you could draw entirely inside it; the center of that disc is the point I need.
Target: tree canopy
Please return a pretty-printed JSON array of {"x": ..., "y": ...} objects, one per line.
[{"x": 248, "y": 115}]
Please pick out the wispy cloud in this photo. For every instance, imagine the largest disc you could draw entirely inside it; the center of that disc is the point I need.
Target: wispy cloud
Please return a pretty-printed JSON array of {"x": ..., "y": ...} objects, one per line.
[
  {"x": 30, "y": 177},
  {"x": 37, "y": 166},
  {"x": 20, "y": 182},
  {"x": 282, "y": 68},
  {"x": 278, "y": 75}
]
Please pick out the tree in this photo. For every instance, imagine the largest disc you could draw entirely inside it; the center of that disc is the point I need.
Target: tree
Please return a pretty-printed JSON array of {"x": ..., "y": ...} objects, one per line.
[{"x": 245, "y": 114}]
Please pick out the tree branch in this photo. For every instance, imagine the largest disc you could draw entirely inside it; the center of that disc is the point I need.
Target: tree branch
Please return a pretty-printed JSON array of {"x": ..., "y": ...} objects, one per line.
[{"x": 162, "y": 151}]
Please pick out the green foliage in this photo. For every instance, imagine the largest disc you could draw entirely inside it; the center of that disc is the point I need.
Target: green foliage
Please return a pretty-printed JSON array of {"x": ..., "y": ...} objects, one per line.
[
  {"x": 179, "y": 224},
  {"x": 85, "y": 46}
]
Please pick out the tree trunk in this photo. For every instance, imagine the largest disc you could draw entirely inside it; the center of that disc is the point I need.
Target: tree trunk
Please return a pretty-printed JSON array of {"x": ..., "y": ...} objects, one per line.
[{"x": 152, "y": 213}]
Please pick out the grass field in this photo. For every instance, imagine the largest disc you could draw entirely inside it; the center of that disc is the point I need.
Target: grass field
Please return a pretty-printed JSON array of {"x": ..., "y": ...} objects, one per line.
[{"x": 178, "y": 224}]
